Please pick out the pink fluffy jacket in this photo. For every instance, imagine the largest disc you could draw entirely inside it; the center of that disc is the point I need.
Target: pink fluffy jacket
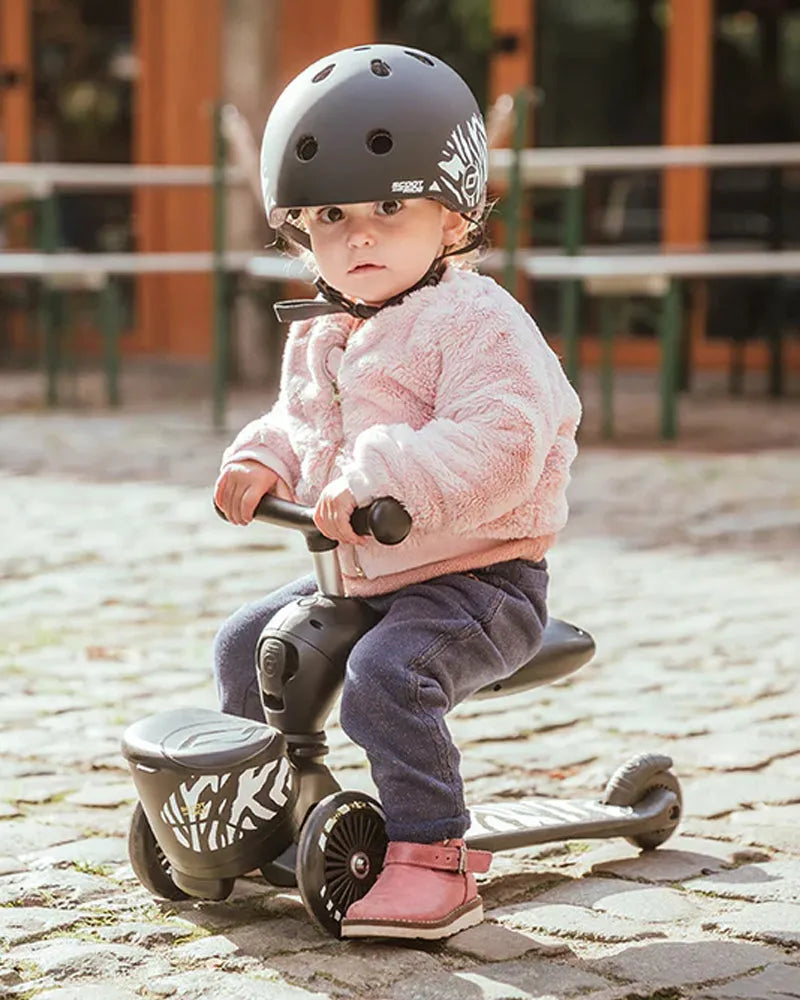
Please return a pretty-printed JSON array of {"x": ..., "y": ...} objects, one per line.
[{"x": 453, "y": 403}]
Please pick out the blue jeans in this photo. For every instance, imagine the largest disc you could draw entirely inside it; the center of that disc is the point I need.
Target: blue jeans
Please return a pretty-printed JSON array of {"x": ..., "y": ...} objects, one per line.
[{"x": 436, "y": 643}]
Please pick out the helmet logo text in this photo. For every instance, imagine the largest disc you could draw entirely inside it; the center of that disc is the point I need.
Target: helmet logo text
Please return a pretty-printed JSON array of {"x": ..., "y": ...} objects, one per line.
[{"x": 408, "y": 187}]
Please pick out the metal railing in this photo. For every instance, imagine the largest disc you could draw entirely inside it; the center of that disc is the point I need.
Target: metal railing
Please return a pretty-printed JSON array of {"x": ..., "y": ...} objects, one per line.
[{"x": 519, "y": 167}]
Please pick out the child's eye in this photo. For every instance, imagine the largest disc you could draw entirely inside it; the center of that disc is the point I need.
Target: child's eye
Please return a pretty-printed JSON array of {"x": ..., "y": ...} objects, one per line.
[
  {"x": 330, "y": 214},
  {"x": 389, "y": 207}
]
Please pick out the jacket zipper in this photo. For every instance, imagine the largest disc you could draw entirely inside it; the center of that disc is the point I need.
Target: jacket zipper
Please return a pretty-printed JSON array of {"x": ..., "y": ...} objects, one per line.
[
  {"x": 356, "y": 563},
  {"x": 337, "y": 400}
]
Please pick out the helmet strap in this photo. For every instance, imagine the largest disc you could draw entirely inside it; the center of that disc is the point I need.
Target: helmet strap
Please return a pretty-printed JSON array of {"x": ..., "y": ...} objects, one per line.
[
  {"x": 478, "y": 241},
  {"x": 291, "y": 232},
  {"x": 334, "y": 301}
]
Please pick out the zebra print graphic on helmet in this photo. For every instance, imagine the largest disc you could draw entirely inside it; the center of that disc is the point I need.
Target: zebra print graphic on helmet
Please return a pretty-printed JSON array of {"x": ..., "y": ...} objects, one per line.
[{"x": 464, "y": 167}]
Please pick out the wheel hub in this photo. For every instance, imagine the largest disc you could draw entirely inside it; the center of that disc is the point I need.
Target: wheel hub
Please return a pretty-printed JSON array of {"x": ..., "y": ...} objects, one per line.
[{"x": 359, "y": 864}]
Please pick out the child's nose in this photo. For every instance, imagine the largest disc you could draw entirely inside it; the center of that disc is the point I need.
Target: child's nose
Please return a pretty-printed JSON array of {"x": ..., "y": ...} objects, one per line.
[{"x": 360, "y": 235}]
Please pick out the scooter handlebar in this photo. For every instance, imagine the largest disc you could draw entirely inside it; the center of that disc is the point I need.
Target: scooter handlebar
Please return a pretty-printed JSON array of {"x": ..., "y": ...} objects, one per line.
[{"x": 386, "y": 519}]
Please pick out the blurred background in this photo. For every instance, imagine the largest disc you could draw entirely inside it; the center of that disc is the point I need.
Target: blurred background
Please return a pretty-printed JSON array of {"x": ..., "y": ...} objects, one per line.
[{"x": 137, "y": 82}]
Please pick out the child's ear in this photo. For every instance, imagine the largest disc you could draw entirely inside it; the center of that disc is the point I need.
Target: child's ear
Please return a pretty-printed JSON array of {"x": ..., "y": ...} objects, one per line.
[{"x": 454, "y": 228}]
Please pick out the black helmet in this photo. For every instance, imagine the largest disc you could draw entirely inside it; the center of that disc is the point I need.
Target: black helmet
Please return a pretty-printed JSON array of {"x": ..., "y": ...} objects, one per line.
[{"x": 373, "y": 123}]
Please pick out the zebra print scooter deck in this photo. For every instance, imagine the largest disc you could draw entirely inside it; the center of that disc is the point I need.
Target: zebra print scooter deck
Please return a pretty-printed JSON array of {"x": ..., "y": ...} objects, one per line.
[{"x": 500, "y": 826}]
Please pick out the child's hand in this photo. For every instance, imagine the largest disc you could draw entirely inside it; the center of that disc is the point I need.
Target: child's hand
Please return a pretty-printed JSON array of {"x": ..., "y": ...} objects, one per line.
[
  {"x": 239, "y": 488},
  {"x": 332, "y": 513}
]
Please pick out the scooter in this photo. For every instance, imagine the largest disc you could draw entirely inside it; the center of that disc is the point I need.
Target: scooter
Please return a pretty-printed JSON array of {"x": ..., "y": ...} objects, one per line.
[{"x": 220, "y": 796}]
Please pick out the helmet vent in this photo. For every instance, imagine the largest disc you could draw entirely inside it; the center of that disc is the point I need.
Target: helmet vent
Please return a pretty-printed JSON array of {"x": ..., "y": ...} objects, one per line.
[
  {"x": 319, "y": 77},
  {"x": 420, "y": 57},
  {"x": 379, "y": 67},
  {"x": 379, "y": 142},
  {"x": 306, "y": 148},
  {"x": 362, "y": 48}
]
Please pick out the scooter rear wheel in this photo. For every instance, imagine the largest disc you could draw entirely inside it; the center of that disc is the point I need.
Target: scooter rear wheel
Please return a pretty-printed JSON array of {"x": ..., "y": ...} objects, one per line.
[
  {"x": 635, "y": 779},
  {"x": 339, "y": 855},
  {"x": 149, "y": 863}
]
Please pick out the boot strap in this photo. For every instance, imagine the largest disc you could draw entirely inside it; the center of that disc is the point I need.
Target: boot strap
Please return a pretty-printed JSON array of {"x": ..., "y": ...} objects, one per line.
[{"x": 451, "y": 859}]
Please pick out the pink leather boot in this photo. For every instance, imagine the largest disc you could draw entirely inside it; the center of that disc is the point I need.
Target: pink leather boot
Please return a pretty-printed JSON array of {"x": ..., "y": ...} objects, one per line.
[{"x": 424, "y": 891}]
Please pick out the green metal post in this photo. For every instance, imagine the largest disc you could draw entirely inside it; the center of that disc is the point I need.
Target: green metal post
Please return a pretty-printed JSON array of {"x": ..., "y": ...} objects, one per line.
[
  {"x": 110, "y": 326},
  {"x": 47, "y": 242},
  {"x": 221, "y": 333},
  {"x": 570, "y": 293},
  {"x": 609, "y": 312},
  {"x": 514, "y": 200},
  {"x": 670, "y": 359},
  {"x": 776, "y": 315}
]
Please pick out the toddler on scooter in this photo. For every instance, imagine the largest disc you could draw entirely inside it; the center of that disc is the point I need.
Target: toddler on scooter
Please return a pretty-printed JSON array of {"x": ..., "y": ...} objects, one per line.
[{"x": 411, "y": 376}]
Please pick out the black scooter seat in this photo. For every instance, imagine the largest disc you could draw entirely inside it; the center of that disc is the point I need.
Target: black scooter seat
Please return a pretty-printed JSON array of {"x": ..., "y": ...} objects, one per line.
[
  {"x": 565, "y": 648},
  {"x": 197, "y": 740}
]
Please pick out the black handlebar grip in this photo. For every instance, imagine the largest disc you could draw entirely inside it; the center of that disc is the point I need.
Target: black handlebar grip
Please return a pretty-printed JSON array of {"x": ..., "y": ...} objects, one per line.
[{"x": 386, "y": 519}]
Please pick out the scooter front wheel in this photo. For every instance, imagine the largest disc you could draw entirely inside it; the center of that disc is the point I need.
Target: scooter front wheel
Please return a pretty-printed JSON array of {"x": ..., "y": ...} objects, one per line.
[
  {"x": 339, "y": 855},
  {"x": 149, "y": 863},
  {"x": 635, "y": 779}
]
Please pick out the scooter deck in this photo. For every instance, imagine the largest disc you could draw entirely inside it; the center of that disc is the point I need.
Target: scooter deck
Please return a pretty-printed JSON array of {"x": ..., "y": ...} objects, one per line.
[{"x": 500, "y": 826}]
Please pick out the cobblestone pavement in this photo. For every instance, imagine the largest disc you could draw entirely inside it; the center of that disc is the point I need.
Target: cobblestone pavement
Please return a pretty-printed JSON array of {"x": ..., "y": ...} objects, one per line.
[{"x": 682, "y": 564}]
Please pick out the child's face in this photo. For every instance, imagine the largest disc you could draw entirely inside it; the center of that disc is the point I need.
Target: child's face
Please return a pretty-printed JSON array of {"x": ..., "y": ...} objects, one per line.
[{"x": 374, "y": 250}]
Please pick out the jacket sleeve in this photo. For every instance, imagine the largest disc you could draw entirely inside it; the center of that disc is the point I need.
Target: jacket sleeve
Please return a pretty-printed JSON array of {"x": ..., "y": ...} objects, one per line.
[
  {"x": 498, "y": 411},
  {"x": 266, "y": 439}
]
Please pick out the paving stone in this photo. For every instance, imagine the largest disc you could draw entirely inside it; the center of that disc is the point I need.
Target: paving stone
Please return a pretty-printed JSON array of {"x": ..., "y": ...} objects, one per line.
[
  {"x": 567, "y": 752},
  {"x": 90, "y": 991},
  {"x": 778, "y": 923},
  {"x": 17, "y": 835},
  {"x": 523, "y": 979},
  {"x": 669, "y": 864},
  {"x": 681, "y": 964},
  {"x": 146, "y": 935},
  {"x": 587, "y": 891},
  {"x": 213, "y": 946},
  {"x": 564, "y": 920},
  {"x": 772, "y": 881},
  {"x": 775, "y": 839},
  {"x": 778, "y": 824},
  {"x": 104, "y": 795},
  {"x": 10, "y": 866},
  {"x": 37, "y": 788},
  {"x": 34, "y": 887},
  {"x": 729, "y": 752},
  {"x": 776, "y": 982},
  {"x": 90, "y": 852},
  {"x": 659, "y": 906},
  {"x": 766, "y": 839},
  {"x": 493, "y": 943},
  {"x": 25, "y": 923},
  {"x": 358, "y": 967},
  {"x": 72, "y": 958},
  {"x": 458, "y": 986},
  {"x": 275, "y": 936},
  {"x": 225, "y": 986}
]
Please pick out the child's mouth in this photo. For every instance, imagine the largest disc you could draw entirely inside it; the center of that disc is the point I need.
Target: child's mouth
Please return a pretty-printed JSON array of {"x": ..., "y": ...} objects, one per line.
[{"x": 365, "y": 268}]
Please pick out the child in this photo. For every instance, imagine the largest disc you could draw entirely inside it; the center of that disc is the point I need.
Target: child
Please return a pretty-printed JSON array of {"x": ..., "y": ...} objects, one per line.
[{"x": 414, "y": 378}]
